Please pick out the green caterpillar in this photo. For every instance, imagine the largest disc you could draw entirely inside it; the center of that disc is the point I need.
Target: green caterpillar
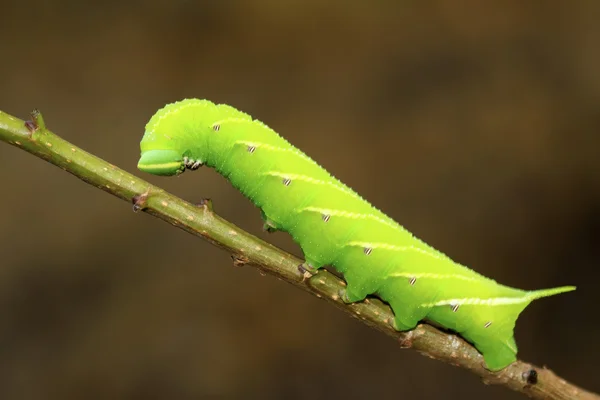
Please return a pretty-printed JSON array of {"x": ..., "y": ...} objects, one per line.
[{"x": 334, "y": 226}]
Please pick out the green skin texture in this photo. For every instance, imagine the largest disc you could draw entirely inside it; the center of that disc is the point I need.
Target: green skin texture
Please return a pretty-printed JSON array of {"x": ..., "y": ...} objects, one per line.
[{"x": 334, "y": 226}]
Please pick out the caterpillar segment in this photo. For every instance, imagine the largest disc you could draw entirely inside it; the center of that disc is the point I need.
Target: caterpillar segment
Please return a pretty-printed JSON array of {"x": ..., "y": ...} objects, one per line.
[{"x": 333, "y": 225}]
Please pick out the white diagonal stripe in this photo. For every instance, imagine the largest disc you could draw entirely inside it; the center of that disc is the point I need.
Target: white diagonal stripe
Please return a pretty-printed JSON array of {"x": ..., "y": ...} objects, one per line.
[
  {"x": 306, "y": 178},
  {"x": 270, "y": 147},
  {"x": 293, "y": 150},
  {"x": 393, "y": 247},
  {"x": 432, "y": 276},
  {"x": 352, "y": 215},
  {"x": 494, "y": 301}
]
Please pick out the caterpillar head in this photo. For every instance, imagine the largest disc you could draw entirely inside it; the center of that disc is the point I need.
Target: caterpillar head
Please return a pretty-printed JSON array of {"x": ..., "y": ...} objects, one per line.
[
  {"x": 175, "y": 137},
  {"x": 181, "y": 136},
  {"x": 163, "y": 162}
]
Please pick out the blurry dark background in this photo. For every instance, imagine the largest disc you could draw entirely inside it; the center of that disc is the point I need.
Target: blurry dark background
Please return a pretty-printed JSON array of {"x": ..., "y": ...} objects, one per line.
[{"x": 474, "y": 125}]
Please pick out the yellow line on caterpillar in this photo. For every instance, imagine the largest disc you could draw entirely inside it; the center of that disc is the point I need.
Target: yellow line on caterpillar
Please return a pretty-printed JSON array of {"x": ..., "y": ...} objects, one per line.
[
  {"x": 432, "y": 276},
  {"x": 387, "y": 246}
]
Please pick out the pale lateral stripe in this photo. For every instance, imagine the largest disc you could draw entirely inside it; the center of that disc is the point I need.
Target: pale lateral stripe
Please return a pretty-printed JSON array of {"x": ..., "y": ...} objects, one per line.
[
  {"x": 432, "y": 276},
  {"x": 293, "y": 150},
  {"x": 494, "y": 301},
  {"x": 296, "y": 177},
  {"x": 270, "y": 147},
  {"x": 351, "y": 215},
  {"x": 387, "y": 246},
  {"x": 308, "y": 179}
]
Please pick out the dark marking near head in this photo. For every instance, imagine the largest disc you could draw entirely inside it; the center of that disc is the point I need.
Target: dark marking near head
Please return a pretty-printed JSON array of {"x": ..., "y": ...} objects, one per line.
[
  {"x": 251, "y": 149},
  {"x": 287, "y": 181},
  {"x": 367, "y": 250},
  {"x": 487, "y": 324},
  {"x": 530, "y": 376},
  {"x": 326, "y": 217},
  {"x": 216, "y": 127},
  {"x": 412, "y": 281},
  {"x": 455, "y": 307}
]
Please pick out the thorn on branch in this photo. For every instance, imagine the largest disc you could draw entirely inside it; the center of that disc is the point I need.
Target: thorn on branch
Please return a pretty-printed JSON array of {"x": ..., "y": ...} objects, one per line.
[
  {"x": 36, "y": 123},
  {"x": 139, "y": 201},
  {"x": 38, "y": 119},
  {"x": 207, "y": 204},
  {"x": 30, "y": 125},
  {"x": 239, "y": 260}
]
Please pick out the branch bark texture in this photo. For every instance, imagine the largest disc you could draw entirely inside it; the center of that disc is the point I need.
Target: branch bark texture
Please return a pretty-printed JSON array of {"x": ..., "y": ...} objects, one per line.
[{"x": 33, "y": 137}]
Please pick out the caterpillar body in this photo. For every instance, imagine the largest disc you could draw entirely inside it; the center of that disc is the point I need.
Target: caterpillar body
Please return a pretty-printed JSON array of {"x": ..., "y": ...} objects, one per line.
[{"x": 335, "y": 226}]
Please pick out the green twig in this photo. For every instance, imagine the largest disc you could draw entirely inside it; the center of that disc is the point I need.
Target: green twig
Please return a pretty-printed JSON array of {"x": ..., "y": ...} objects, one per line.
[{"x": 33, "y": 137}]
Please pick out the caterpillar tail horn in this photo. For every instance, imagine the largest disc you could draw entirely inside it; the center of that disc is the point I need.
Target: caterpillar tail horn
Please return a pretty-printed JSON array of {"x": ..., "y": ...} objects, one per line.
[{"x": 538, "y": 294}]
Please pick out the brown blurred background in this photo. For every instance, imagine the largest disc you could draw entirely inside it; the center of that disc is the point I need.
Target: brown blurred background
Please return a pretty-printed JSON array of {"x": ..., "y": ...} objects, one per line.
[{"x": 474, "y": 125}]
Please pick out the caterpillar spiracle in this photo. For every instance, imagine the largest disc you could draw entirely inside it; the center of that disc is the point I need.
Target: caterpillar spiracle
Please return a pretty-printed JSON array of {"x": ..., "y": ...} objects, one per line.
[{"x": 335, "y": 226}]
